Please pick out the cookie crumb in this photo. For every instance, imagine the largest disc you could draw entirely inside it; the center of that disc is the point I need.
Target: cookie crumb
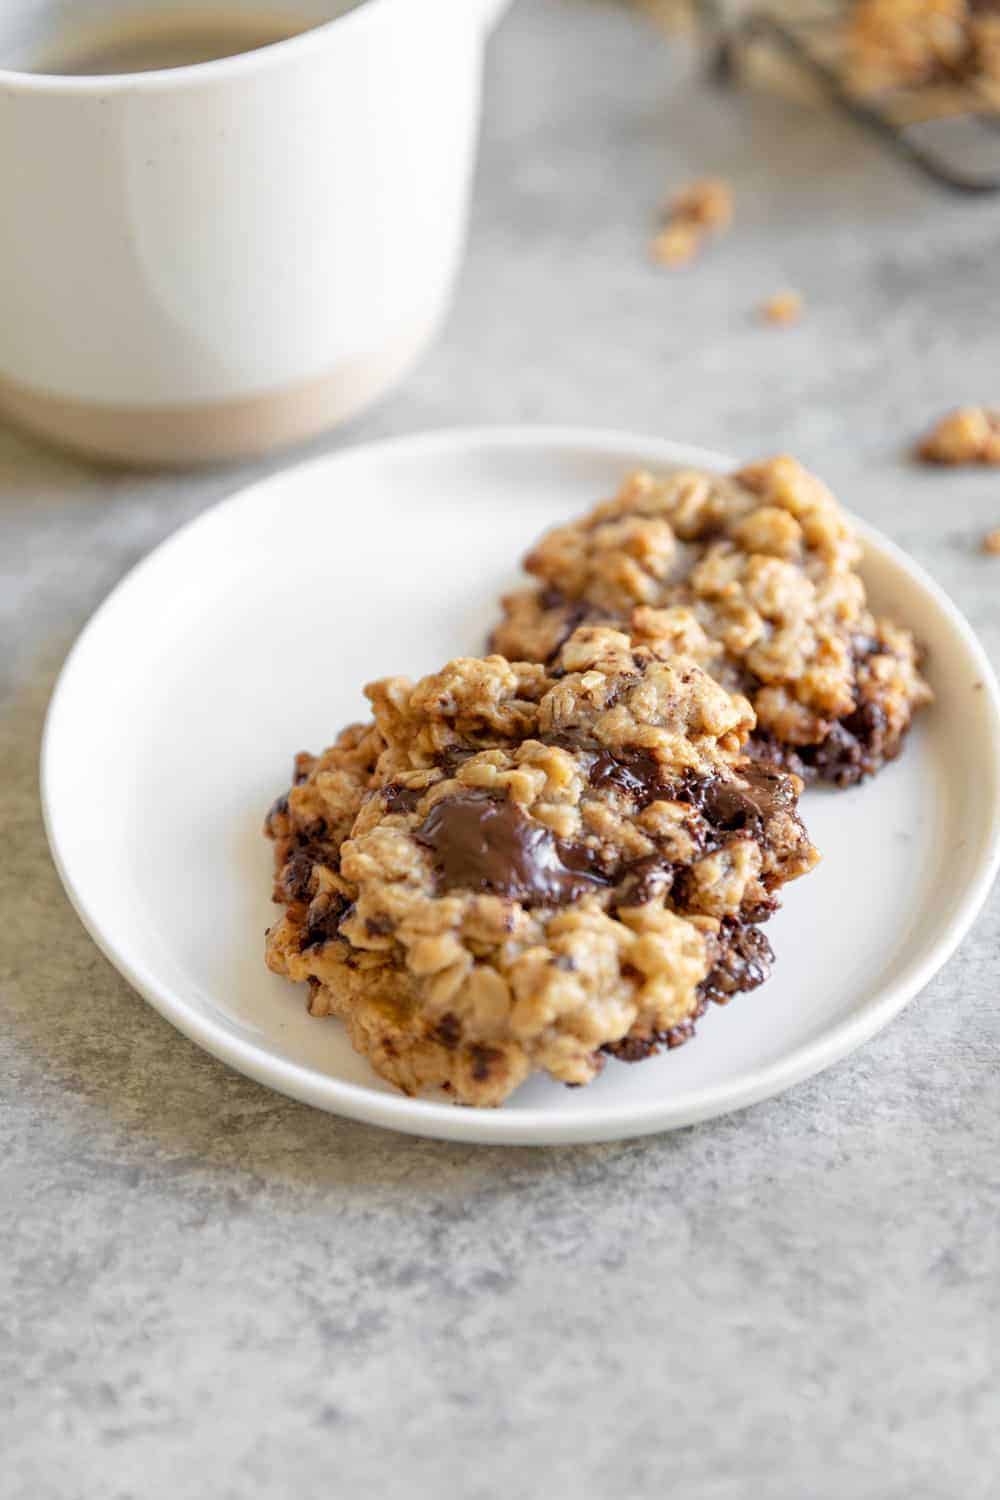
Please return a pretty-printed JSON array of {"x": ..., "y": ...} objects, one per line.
[
  {"x": 783, "y": 308},
  {"x": 969, "y": 435},
  {"x": 991, "y": 542},
  {"x": 676, "y": 245},
  {"x": 708, "y": 201},
  {"x": 698, "y": 209}
]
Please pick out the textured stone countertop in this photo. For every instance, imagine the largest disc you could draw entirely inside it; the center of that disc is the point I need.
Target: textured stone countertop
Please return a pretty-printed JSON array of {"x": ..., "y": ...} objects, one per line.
[{"x": 209, "y": 1290}]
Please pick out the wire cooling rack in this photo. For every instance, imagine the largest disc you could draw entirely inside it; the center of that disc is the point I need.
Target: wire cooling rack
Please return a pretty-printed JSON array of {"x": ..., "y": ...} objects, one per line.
[{"x": 949, "y": 129}]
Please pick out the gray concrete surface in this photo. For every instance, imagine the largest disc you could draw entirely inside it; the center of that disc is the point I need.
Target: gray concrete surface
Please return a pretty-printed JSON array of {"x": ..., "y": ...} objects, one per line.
[{"x": 211, "y": 1291}]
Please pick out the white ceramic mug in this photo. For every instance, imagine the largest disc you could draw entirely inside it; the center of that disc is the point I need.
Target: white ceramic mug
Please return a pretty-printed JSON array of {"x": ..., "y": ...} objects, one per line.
[{"x": 205, "y": 262}]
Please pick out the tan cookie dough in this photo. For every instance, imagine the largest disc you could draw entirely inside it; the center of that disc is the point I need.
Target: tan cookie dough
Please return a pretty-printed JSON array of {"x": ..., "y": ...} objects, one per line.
[
  {"x": 544, "y": 865},
  {"x": 755, "y": 576}
]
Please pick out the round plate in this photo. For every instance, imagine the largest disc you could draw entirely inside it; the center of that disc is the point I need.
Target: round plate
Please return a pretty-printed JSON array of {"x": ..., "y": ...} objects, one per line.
[{"x": 247, "y": 636}]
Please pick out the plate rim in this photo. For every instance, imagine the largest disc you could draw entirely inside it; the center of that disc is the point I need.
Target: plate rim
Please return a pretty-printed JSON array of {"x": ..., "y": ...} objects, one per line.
[{"x": 533, "y": 1126}]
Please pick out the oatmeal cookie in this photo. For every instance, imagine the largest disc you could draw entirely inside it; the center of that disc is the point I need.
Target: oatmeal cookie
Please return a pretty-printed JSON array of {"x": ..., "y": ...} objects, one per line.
[
  {"x": 545, "y": 865},
  {"x": 753, "y": 575},
  {"x": 894, "y": 44},
  {"x": 697, "y": 210}
]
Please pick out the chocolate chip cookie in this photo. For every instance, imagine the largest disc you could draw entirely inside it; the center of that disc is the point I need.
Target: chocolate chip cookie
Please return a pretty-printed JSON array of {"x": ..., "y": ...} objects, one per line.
[
  {"x": 523, "y": 867},
  {"x": 755, "y": 576}
]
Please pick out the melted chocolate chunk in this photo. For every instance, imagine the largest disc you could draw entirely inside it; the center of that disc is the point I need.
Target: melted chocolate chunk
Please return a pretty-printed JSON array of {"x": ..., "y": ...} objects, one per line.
[
  {"x": 637, "y": 773},
  {"x": 480, "y": 843},
  {"x": 401, "y": 799},
  {"x": 733, "y": 807},
  {"x": 745, "y": 805},
  {"x": 867, "y": 723},
  {"x": 296, "y": 875},
  {"x": 633, "y": 1049},
  {"x": 278, "y": 809},
  {"x": 728, "y": 805},
  {"x": 764, "y": 749},
  {"x": 744, "y": 963},
  {"x": 575, "y": 612},
  {"x": 312, "y": 831},
  {"x": 323, "y": 928},
  {"x": 760, "y": 911},
  {"x": 854, "y": 748},
  {"x": 648, "y": 879},
  {"x": 576, "y": 615}
]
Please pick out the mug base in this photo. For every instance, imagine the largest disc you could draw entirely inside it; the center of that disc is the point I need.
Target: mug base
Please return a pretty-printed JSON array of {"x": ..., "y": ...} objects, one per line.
[{"x": 214, "y": 432}]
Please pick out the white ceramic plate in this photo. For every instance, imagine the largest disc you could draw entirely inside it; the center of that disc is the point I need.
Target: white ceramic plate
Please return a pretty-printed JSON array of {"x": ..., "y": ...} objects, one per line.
[{"x": 247, "y": 636}]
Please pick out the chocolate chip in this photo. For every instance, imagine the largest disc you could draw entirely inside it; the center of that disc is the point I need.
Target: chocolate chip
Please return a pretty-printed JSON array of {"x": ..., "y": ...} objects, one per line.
[
  {"x": 575, "y": 612},
  {"x": 854, "y": 748},
  {"x": 867, "y": 723},
  {"x": 760, "y": 911},
  {"x": 637, "y": 773},
  {"x": 401, "y": 799},
  {"x": 623, "y": 686},
  {"x": 448, "y": 1030},
  {"x": 379, "y": 926},
  {"x": 633, "y": 1049},
  {"x": 296, "y": 876},
  {"x": 733, "y": 807},
  {"x": 764, "y": 749},
  {"x": 322, "y": 928},
  {"x": 482, "y": 1059},
  {"x": 743, "y": 963},
  {"x": 481, "y": 843},
  {"x": 646, "y": 880},
  {"x": 278, "y": 809},
  {"x": 742, "y": 805}
]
